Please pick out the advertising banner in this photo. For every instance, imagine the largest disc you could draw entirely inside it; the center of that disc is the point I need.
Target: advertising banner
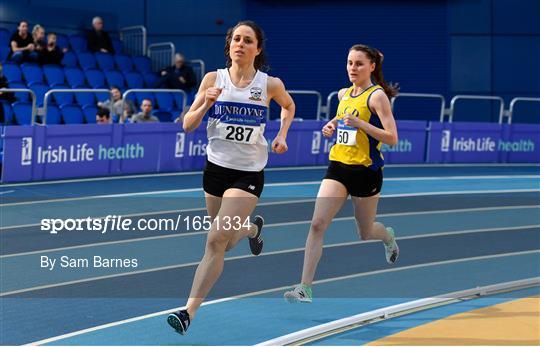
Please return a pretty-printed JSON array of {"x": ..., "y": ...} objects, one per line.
[
  {"x": 468, "y": 142},
  {"x": 34, "y": 153}
]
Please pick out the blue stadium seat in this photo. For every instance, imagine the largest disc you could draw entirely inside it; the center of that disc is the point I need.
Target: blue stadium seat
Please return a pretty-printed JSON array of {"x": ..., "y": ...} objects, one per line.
[
  {"x": 123, "y": 62},
  {"x": 69, "y": 59},
  {"x": 115, "y": 78},
  {"x": 4, "y": 53},
  {"x": 62, "y": 98},
  {"x": 102, "y": 96},
  {"x": 145, "y": 95},
  {"x": 163, "y": 116},
  {"x": 105, "y": 61},
  {"x": 39, "y": 89},
  {"x": 178, "y": 100},
  {"x": 72, "y": 114},
  {"x": 90, "y": 113},
  {"x": 117, "y": 45},
  {"x": 142, "y": 64},
  {"x": 4, "y": 37},
  {"x": 54, "y": 74},
  {"x": 53, "y": 115},
  {"x": 85, "y": 98},
  {"x": 32, "y": 73},
  {"x": 62, "y": 41},
  {"x": 150, "y": 79},
  {"x": 87, "y": 60},
  {"x": 134, "y": 80},
  {"x": 165, "y": 101},
  {"x": 20, "y": 96},
  {"x": 78, "y": 43},
  {"x": 8, "y": 114},
  {"x": 13, "y": 72},
  {"x": 95, "y": 78},
  {"x": 74, "y": 76},
  {"x": 22, "y": 112}
]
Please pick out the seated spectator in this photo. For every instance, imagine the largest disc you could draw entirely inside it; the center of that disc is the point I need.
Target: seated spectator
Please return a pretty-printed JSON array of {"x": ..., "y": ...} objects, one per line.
[
  {"x": 4, "y": 96},
  {"x": 51, "y": 54},
  {"x": 115, "y": 106},
  {"x": 38, "y": 37},
  {"x": 145, "y": 116},
  {"x": 22, "y": 45},
  {"x": 98, "y": 39},
  {"x": 103, "y": 116},
  {"x": 178, "y": 76}
]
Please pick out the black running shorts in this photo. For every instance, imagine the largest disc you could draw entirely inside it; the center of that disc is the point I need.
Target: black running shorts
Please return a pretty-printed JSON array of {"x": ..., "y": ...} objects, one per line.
[
  {"x": 217, "y": 179},
  {"x": 359, "y": 180}
]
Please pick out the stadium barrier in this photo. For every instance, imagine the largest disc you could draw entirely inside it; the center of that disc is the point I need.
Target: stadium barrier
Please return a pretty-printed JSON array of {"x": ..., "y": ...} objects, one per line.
[{"x": 33, "y": 153}]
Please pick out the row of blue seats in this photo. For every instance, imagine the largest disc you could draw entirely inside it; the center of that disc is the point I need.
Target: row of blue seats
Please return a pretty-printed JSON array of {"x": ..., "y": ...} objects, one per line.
[
  {"x": 75, "y": 42},
  {"x": 163, "y": 101},
  {"x": 20, "y": 113},
  {"x": 54, "y": 76}
]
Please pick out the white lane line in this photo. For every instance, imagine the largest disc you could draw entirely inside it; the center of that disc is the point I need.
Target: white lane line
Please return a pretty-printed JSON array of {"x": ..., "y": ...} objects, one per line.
[
  {"x": 282, "y": 224},
  {"x": 328, "y": 280},
  {"x": 285, "y": 251},
  {"x": 6, "y": 192},
  {"x": 283, "y": 184},
  {"x": 319, "y": 167}
]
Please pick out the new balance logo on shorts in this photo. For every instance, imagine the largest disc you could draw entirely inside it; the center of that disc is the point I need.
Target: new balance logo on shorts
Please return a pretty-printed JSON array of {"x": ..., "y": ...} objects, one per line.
[{"x": 252, "y": 187}]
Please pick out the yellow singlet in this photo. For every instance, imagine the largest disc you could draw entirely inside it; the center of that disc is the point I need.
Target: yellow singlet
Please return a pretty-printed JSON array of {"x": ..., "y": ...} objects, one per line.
[{"x": 354, "y": 146}]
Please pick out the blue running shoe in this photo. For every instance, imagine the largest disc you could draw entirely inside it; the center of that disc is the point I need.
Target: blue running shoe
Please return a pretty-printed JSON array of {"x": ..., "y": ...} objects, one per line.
[
  {"x": 179, "y": 321},
  {"x": 256, "y": 242}
]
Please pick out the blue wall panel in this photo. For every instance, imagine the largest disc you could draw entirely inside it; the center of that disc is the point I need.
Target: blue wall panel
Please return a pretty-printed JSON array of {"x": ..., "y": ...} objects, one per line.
[
  {"x": 469, "y": 16},
  {"x": 516, "y": 17},
  {"x": 471, "y": 64},
  {"x": 516, "y": 64},
  {"x": 308, "y": 42}
]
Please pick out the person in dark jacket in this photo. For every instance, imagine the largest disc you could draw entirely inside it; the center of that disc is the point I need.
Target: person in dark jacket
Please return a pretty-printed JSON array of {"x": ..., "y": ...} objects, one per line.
[
  {"x": 51, "y": 53},
  {"x": 98, "y": 39},
  {"x": 178, "y": 76}
]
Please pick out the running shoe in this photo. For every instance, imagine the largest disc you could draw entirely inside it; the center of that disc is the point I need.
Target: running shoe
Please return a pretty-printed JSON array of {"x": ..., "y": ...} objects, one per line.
[
  {"x": 300, "y": 293},
  {"x": 256, "y": 242},
  {"x": 179, "y": 321},
  {"x": 391, "y": 249}
]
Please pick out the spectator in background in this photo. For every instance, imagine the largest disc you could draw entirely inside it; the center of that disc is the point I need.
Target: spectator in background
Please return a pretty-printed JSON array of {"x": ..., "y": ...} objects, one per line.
[
  {"x": 115, "y": 106},
  {"x": 178, "y": 76},
  {"x": 22, "y": 45},
  {"x": 103, "y": 116},
  {"x": 4, "y": 96},
  {"x": 145, "y": 116},
  {"x": 98, "y": 39},
  {"x": 51, "y": 54},
  {"x": 38, "y": 37}
]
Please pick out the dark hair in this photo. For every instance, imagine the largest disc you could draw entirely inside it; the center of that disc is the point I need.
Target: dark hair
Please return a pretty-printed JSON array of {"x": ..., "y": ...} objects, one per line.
[
  {"x": 51, "y": 34},
  {"x": 23, "y": 21},
  {"x": 115, "y": 87},
  {"x": 260, "y": 60},
  {"x": 103, "y": 112},
  {"x": 375, "y": 56}
]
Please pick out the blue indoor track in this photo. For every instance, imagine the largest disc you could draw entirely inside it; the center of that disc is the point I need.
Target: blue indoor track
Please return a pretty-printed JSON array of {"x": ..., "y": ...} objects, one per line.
[{"x": 458, "y": 227}]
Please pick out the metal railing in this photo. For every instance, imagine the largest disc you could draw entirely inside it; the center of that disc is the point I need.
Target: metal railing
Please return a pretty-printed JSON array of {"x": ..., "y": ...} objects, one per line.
[
  {"x": 174, "y": 91},
  {"x": 201, "y": 68},
  {"x": 32, "y": 95},
  {"x": 510, "y": 112},
  {"x": 310, "y": 92},
  {"x": 475, "y": 97},
  {"x": 161, "y": 54},
  {"x": 422, "y": 95},
  {"x": 53, "y": 91},
  {"x": 328, "y": 107},
  {"x": 134, "y": 40}
]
